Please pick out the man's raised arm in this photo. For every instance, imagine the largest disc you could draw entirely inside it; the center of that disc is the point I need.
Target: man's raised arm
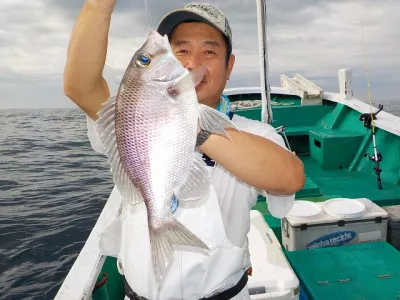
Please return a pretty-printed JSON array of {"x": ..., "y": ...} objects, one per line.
[{"x": 83, "y": 75}]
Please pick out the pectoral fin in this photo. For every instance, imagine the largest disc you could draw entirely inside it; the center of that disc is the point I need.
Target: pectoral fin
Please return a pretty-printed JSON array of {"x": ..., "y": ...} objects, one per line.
[{"x": 214, "y": 121}]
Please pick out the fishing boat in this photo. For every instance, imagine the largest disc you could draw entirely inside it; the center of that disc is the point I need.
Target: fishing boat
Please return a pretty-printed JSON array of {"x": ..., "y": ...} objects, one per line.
[{"x": 350, "y": 151}]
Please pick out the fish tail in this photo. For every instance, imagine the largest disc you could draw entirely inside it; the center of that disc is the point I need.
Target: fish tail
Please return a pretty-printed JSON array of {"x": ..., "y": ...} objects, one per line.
[{"x": 162, "y": 242}]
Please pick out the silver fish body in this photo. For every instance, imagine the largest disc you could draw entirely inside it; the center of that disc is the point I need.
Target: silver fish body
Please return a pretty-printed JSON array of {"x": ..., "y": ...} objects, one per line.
[
  {"x": 156, "y": 136},
  {"x": 149, "y": 132}
]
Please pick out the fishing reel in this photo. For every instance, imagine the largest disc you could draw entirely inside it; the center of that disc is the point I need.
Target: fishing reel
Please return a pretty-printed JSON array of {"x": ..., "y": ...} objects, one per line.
[
  {"x": 372, "y": 158},
  {"x": 366, "y": 117}
]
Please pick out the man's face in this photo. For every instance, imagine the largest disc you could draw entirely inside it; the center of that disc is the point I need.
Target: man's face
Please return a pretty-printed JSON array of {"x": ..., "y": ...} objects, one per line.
[{"x": 196, "y": 44}]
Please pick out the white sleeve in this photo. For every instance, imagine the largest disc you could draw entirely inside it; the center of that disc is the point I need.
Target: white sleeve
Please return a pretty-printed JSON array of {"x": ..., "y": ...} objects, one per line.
[
  {"x": 94, "y": 136},
  {"x": 278, "y": 205}
]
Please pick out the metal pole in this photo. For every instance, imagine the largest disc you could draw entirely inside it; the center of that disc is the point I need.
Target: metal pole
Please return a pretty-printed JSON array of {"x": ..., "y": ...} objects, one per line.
[{"x": 266, "y": 110}]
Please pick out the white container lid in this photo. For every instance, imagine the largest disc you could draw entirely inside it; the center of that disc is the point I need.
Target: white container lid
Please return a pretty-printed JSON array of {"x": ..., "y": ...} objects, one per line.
[
  {"x": 271, "y": 270},
  {"x": 344, "y": 208},
  {"x": 305, "y": 210}
]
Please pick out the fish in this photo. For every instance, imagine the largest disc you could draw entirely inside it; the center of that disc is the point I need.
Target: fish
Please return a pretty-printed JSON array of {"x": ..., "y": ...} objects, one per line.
[{"x": 148, "y": 131}]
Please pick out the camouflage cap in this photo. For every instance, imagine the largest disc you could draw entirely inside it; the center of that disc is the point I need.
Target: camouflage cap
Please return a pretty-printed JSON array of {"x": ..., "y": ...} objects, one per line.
[{"x": 201, "y": 12}]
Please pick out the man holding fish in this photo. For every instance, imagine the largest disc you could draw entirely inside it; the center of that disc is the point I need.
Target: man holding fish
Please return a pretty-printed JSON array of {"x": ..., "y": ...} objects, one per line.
[{"x": 188, "y": 170}]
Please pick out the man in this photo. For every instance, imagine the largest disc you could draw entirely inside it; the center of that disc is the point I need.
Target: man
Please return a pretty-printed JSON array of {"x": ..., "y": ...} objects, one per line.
[{"x": 253, "y": 162}]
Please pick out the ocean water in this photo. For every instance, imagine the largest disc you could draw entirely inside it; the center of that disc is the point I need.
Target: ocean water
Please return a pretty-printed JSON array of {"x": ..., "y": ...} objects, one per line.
[
  {"x": 53, "y": 187},
  {"x": 390, "y": 106}
]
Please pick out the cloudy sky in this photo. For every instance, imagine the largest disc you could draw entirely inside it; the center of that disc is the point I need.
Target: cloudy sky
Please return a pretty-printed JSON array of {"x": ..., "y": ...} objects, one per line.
[{"x": 312, "y": 37}]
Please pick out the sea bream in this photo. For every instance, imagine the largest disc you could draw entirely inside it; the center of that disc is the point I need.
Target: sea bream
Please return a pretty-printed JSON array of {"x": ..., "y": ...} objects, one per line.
[{"x": 149, "y": 132}]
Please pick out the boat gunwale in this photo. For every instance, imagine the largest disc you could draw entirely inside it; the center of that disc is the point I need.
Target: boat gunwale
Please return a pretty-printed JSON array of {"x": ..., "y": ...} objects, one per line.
[{"x": 385, "y": 120}]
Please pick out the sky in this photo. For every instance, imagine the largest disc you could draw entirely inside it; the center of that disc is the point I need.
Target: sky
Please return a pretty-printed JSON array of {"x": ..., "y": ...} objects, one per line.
[{"x": 312, "y": 37}]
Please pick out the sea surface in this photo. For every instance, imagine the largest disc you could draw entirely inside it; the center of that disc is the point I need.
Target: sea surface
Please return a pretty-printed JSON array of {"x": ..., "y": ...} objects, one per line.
[{"x": 53, "y": 187}]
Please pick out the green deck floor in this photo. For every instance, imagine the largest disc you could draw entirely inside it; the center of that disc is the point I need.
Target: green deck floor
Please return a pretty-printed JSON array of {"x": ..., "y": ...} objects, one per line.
[
  {"x": 367, "y": 271},
  {"x": 343, "y": 183}
]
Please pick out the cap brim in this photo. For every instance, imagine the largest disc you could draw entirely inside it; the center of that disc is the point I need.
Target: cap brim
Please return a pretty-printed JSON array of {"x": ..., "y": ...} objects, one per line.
[{"x": 173, "y": 19}]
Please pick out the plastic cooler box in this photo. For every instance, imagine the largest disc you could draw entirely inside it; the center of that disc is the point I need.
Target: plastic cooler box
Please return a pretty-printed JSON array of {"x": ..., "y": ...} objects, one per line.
[
  {"x": 272, "y": 277},
  {"x": 393, "y": 233},
  {"x": 333, "y": 222},
  {"x": 367, "y": 271}
]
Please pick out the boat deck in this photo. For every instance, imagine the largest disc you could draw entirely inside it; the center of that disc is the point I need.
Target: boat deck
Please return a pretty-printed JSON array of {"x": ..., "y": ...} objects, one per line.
[
  {"x": 332, "y": 142},
  {"x": 347, "y": 184}
]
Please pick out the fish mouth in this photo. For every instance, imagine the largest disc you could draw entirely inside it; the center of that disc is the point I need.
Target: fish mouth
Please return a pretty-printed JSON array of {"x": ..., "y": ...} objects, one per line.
[
  {"x": 168, "y": 71},
  {"x": 202, "y": 82},
  {"x": 166, "y": 78},
  {"x": 169, "y": 77}
]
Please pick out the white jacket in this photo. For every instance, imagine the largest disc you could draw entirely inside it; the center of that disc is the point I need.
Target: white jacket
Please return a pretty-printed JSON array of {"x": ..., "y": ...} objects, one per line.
[{"x": 222, "y": 221}]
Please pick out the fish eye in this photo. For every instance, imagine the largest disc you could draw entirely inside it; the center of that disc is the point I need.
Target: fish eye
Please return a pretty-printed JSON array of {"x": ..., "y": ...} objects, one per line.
[{"x": 143, "y": 60}]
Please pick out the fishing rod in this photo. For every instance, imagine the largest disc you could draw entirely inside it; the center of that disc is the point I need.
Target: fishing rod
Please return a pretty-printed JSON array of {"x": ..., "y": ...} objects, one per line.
[{"x": 368, "y": 119}]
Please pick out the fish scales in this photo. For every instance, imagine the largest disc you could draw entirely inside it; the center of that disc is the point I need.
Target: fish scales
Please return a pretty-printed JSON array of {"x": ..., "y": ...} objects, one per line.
[{"x": 149, "y": 134}]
